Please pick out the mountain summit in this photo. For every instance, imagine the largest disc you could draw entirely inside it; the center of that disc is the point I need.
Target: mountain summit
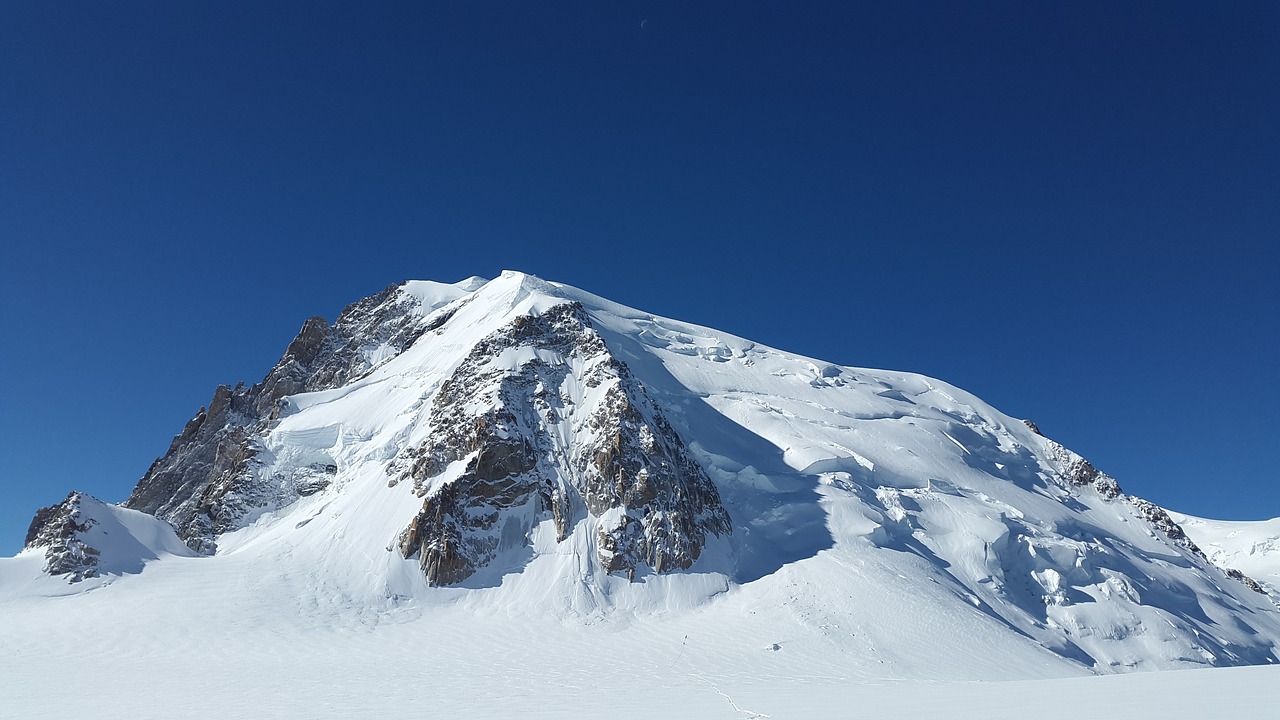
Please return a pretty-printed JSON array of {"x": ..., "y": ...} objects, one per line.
[{"x": 524, "y": 445}]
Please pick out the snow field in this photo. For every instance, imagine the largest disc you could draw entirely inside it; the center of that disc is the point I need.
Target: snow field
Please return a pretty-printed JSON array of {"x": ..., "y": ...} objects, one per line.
[{"x": 899, "y": 547}]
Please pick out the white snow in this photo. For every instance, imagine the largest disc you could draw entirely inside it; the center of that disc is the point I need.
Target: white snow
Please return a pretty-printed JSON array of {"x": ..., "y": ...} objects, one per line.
[
  {"x": 128, "y": 541},
  {"x": 899, "y": 547},
  {"x": 1252, "y": 547}
]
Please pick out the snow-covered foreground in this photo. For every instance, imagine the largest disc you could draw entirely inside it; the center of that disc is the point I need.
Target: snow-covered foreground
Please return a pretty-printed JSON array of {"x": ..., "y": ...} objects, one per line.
[
  {"x": 207, "y": 639},
  {"x": 889, "y": 544}
]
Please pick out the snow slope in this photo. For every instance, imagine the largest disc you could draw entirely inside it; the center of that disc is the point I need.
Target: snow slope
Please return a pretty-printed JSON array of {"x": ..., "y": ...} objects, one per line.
[
  {"x": 1252, "y": 547},
  {"x": 218, "y": 644},
  {"x": 84, "y": 537},
  {"x": 888, "y": 530}
]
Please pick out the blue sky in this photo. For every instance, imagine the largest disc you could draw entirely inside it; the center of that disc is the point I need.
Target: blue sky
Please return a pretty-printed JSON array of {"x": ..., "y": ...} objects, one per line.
[{"x": 1068, "y": 209}]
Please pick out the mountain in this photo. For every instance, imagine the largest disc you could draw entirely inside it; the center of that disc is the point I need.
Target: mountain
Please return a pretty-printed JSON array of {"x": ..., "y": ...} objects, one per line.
[
  {"x": 523, "y": 477},
  {"x": 1253, "y": 547}
]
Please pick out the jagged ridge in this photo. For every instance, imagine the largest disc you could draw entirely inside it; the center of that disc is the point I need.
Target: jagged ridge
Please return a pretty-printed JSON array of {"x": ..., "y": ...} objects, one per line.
[
  {"x": 202, "y": 484},
  {"x": 1081, "y": 473},
  {"x": 653, "y": 505},
  {"x": 517, "y": 442},
  {"x": 60, "y": 529}
]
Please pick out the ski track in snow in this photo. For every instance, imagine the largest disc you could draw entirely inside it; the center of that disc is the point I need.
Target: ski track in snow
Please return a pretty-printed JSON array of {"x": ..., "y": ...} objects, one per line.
[{"x": 748, "y": 714}]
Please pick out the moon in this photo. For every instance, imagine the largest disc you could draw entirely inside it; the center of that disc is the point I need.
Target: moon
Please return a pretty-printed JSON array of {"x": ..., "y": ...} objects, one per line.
[{"x": 642, "y": 24}]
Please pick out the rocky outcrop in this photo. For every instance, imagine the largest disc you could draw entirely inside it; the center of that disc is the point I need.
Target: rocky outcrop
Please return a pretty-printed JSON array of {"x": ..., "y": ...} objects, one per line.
[
  {"x": 456, "y": 532},
  {"x": 1159, "y": 519},
  {"x": 205, "y": 485},
  {"x": 641, "y": 467},
  {"x": 565, "y": 435},
  {"x": 323, "y": 356},
  {"x": 59, "y": 529},
  {"x": 1249, "y": 582},
  {"x": 201, "y": 485},
  {"x": 1081, "y": 473}
]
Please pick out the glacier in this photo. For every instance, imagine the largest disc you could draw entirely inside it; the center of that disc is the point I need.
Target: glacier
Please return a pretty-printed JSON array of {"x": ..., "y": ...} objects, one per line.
[{"x": 516, "y": 482}]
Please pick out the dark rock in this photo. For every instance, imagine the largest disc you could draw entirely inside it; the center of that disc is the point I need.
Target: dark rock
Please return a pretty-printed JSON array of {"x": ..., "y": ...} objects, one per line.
[
  {"x": 310, "y": 486},
  {"x": 502, "y": 458},
  {"x": 624, "y": 460},
  {"x": 60, "y": 529},
  {"x": 1160, "y": 520},
  {"x": 1081, "y": 473},
  {"x": 1249, "y": 582},
  {"x": 205, "y": 484},
  {"x": 43, "y": 519}
]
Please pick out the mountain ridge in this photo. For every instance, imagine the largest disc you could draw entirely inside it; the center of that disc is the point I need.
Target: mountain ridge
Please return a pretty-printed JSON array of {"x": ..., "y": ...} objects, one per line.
[{"x": 518, "y": 438}]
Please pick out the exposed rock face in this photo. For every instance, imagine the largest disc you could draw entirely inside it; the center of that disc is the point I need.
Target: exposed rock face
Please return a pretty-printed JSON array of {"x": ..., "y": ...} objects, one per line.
[
  {"x": 1081, "y": 473},
  {"x": 205, "y": 484},
  {"x": 515, "y": 437},
  {"x": 1160, "y": 520},
  {"x": 564, "y": 433},
  {"x": 199, "y": 485},
  {"x": 59, "y": 529},
  {"x": 539, "y": 421},
  {"x": 323, "y": 356},
  {"x": 1249, "y": 582}
]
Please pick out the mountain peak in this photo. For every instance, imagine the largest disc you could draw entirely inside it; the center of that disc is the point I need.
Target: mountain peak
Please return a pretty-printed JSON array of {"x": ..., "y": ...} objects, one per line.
[
  {"x": 534, "y": 448},
  {"x": 541, "y": 422}
]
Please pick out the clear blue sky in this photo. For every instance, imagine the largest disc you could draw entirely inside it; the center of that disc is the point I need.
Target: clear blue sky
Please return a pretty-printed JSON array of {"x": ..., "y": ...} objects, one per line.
[{"x": 1070, "y": 209}]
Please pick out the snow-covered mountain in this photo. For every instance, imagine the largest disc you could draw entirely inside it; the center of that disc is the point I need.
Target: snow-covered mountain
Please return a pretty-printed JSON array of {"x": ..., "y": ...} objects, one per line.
[
  {"x": 1252, "y": 547},
  {"x": 469, "y": 462}
]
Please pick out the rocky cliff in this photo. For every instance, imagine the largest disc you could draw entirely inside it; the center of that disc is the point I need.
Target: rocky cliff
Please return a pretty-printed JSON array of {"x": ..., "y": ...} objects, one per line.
[
  {"x": 568, "y": 430},
  {"x": 566, "y": 434},
  {"x": 59, "y": 530},
  {"x": 204, "y": 484},
  {"x": 535, "y": 447}
]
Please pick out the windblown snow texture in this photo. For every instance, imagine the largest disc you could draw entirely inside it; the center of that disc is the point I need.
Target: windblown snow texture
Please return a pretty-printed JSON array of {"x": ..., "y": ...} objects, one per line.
[{"x": 531, "y": 450}]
